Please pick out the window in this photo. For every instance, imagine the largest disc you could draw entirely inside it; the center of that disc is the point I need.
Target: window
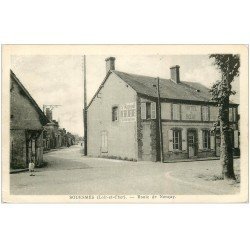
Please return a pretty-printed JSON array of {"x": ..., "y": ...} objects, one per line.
[
  {"x": 177, "y": 139},
  {"x": 206, "y": 139},
  {"x": 148, "y": 110},
  {"x": 176, "y": 112},
  {"x": 205, "y": 116},
  {"x": 114, "y": 113}
]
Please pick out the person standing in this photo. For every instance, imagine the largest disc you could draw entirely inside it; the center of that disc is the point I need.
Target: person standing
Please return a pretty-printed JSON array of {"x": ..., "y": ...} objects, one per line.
[{"x": 31, "y": 167}]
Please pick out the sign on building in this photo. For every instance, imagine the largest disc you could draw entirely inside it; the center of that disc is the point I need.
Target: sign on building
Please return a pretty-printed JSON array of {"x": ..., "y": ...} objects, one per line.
[
  {"x": 191, "y": 112},
  {"x": 128, "y": 112}
]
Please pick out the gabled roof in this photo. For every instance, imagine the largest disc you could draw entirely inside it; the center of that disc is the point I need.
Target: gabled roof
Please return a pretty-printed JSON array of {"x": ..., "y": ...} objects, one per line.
[
  {"x": 184, "y": 91},
  {"x": 44, "y": 120},
  {"x": 189, "y": 91},
  {"x": 145, "y": 85}
]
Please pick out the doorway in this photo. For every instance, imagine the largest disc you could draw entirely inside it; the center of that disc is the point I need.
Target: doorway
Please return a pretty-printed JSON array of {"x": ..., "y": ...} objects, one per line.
[{"x": 192, "y": 143}]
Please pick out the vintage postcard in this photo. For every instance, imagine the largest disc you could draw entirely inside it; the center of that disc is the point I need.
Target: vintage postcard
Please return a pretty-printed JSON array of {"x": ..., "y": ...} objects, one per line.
[{"x": 124, "y": 123}]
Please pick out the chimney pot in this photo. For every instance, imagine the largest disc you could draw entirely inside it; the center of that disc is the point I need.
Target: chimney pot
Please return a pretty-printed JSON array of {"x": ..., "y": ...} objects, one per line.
[
  {"x": 49, "y": 114},
  {"x": 110, "y": 64},
  {"x": 175, "y": 73}
]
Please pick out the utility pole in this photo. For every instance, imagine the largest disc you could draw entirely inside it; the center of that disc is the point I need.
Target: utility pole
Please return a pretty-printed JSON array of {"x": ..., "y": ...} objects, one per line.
[
  {"x": 159, "y": 119},
  {"x": 50, "y": 106},
  {"x": 85, "y": 108}
]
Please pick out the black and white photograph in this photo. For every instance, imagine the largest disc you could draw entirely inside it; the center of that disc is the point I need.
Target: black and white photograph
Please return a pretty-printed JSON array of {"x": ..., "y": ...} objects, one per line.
[{"x": 120, "y": 126}]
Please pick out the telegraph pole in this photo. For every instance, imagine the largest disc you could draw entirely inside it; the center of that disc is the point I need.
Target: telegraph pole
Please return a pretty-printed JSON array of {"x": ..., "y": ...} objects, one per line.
[
  {"x": 50, "y": 106},
  {"x": 159, "y": 120},
  {"x": 85, "y": 108}
]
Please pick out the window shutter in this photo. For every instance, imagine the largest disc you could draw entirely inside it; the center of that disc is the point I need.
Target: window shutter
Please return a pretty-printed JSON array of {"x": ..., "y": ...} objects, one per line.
[
  {"x": 184, "y": 139},
  {"x": 153, "y": 110},
  {"x": 212, "y": 141},
  {"x": 143, "y": 110},
  {"x": 236, "y": 139},
  {"x": 234, "y": 114},
  {"x": 170, "y": 140},
  {"x": 200, "y": 139}
]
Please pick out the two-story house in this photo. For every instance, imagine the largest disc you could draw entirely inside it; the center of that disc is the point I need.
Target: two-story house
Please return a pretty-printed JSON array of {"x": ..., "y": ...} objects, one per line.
[{"x": 123, "y": 118}]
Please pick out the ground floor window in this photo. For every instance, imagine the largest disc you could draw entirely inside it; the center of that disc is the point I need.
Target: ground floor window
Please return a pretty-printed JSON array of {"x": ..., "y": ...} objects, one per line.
[
  {"x": 177, "y": 139},
  {"x": 206, "y": 139}
]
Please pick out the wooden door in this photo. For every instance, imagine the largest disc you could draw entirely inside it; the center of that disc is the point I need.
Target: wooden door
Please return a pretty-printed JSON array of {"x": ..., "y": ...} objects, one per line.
[{"x": 192, "y": 144}]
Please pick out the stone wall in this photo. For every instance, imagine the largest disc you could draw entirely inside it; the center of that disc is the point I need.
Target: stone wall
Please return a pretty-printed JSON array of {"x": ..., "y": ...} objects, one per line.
[
  {"x": 139, "y": 129},
  {"x": 17, "y": 149},
  {"x": 148, "y": 135}
]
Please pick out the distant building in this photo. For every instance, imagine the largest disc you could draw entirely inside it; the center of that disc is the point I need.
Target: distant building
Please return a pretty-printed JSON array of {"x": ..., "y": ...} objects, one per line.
[
  {"x": 52, "y": 134},
  {"x": 70, "y": 139},
  {"x": 64, "y": 137},
  {"x": 123, "y": 118},
  {"x": 26, "y": 126}
]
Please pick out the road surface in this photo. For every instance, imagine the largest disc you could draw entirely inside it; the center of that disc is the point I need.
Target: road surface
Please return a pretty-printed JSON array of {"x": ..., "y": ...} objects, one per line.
[{"x": 70, "y": 173}]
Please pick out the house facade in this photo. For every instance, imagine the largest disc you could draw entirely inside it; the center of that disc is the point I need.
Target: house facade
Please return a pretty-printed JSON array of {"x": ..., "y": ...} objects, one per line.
[
  {"x": 26, "y": 126},
  {"x": 123, "y": 118},
  {"x": 52, "y": 136}
]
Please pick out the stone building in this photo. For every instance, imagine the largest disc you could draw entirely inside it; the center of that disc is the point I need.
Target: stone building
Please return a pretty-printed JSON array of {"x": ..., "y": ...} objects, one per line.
[
  {"x": 70, "y": 139},
  {"x": 54, "y": 136},
  {"x": 50, "y": 135},
  {"x": 123, "y": 119},
  {"x": 26, "y": 126}
]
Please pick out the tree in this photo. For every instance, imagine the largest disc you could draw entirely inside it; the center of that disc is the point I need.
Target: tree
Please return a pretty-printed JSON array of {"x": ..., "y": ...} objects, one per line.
[{"x": 221, "y": 90}]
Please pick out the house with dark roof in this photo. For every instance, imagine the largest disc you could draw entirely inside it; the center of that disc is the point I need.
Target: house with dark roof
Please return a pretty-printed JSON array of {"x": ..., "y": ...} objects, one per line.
[
  {"x": 139, "y": 117},
  {"x": 26, "y": 126}
]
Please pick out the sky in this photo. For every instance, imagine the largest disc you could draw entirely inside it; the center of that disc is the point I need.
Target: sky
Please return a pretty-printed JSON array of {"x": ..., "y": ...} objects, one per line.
[{"x": 58, "y": 80}]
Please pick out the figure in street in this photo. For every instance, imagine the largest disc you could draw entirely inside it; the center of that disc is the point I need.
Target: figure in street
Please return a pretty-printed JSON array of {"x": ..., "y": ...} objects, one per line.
[{"x": 31, "y": 167}]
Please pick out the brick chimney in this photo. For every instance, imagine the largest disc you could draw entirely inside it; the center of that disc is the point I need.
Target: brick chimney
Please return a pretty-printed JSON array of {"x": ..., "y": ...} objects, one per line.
[
  {"x": 48, "y": 114},
  {"x": 175, "y": 73},
  {"x": 110, "y": 64}
]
